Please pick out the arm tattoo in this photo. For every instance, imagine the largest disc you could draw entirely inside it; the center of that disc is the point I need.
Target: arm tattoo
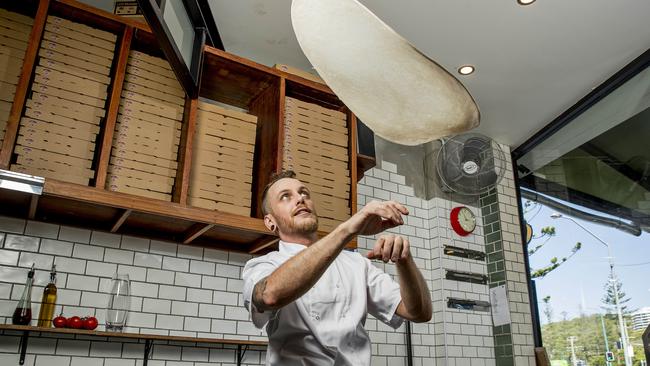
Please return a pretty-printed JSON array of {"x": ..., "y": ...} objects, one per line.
[{"x": 258, "y": 292}]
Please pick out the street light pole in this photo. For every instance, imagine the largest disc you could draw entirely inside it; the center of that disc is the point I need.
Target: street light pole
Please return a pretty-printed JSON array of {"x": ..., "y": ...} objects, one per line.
[{"x": 621, "y": 322}]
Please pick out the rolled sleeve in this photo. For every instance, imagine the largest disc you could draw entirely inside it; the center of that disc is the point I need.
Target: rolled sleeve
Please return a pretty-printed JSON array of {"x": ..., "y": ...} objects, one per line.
[
  {"x": 254, "y": 271},
  {"x": 383, "y": 296}
]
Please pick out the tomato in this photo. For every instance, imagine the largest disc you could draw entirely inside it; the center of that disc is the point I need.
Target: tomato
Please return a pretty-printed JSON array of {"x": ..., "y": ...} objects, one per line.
[
  {"x": 89, "y": 323},
  {"x": 60, "y": 321},
  {"x": 74, "y": 322}
]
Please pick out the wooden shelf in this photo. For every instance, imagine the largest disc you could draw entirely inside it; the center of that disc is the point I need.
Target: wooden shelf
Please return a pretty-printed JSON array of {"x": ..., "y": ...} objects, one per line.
[
  {"x": 148, "y": 338},
  {"x": 153, "y": 337},
  {"x": 227, "y": 78},
  {"x": 73, "y": 204}
]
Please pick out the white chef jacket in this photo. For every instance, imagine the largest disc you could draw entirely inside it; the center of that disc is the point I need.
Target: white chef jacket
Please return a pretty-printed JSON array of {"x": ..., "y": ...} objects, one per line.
[{"x": 325, "y": 325}]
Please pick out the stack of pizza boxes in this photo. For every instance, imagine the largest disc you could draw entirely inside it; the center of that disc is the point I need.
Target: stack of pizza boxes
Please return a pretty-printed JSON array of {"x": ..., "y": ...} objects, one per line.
[
  {"x": 222, "y": 159},
  {"x": 316, "y": 148},
  {"x": 58, "y": 132},
  {"x": 14, "y": 36},
  {"x": 144, "y": 156}
]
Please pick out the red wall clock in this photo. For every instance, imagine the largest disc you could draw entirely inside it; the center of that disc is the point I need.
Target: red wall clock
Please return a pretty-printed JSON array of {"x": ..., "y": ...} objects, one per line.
[{"x": 463, "y": 220}]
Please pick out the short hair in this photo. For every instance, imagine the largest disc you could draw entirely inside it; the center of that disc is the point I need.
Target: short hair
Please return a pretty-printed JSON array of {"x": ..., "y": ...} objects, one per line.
[{"x": 274, "y": 178}]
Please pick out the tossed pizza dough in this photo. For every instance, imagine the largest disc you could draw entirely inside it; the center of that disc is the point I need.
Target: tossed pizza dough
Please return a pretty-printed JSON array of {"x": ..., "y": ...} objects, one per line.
[{"x": 401, "y": 94}]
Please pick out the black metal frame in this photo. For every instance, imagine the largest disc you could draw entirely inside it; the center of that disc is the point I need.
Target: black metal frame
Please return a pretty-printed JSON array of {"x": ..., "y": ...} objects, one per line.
[
  {"x": 148, "y": 350},
  {"x": 188, "y": 75},
  {"x": 621, "y": 77}
]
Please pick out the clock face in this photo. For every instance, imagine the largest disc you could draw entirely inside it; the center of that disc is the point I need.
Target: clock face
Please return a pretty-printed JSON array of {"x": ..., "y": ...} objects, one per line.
[
  {"x": 463, "y": 220},
  {"x": 466, "y": 219}
]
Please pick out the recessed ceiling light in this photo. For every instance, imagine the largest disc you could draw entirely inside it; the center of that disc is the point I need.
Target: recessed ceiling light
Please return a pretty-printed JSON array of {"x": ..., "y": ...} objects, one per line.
[
  {"x": 525, "y": 2},
  {"x": 466, "y": 69}
]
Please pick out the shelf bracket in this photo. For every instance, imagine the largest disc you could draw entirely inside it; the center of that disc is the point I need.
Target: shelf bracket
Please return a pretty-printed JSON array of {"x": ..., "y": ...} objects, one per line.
[
  {"x": 23, "y": 346},
  {"x": 120, "y": 221},
  {"x": 195, "y": 231},
  {"x": 148, "y": 348},
  {"x": 240, "y": 353}
]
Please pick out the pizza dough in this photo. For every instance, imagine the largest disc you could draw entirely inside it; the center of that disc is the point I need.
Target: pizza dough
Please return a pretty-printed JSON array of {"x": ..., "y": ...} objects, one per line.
[{"x": 398, "y": 92}]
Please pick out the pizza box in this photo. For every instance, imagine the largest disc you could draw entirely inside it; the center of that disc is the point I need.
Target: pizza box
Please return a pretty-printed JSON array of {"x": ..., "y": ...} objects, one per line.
[
  {"x": 14, "y": 25},
  {"x": 144, "y": 158},
  {"x": 153, "y": 60},
  {"x": 209, "y": 158},
  {"x": 147, "y": 83},
  {"x": 50, "y": 101},
  {"x": 160, "y": 124},
  {"x": 149, "y": 108},
  {"x": 18, "y": 35},
  {"x": 63, "y": 176},
  {"x": 63, "y": 110},
  {"x": 72, "y": 52},
  {"x": 142, "y": 72},
  {"x": 219, "y": 141},
  {"x": 13, "y": 43},
  {"x": 146, "y": 137},
  {"x": 30, "y": 126},
  {"x": 222, "y": 197},
  {"x": 99, "y": 93},
  {"x": 228, "y": 120},
  {"x": 153, "y": 93},
  {"x": 219, "y": 206},
  {"x": 206, "y": 174},
  {"x": 219, "y": 122},
  {"x": 164, "y": 72},
  {"x": 65, "y": 94},
  {"x": 135, "y": 123},
  {"x": 55, "y": 166},
  {"x": 82, "y": 28},
  {"x": 122, "y": 188},
  {"x": 318, "y": 132},
  {"x": 78, "y": 44},
  {"x": 74, "y": 70},
  {"x": 62, "y": 121},
  {"x": 120, "y": 171},
  {"x": 7, "y": 92},
  {"x": 226, "y": 133},
  {"x": 56, "y": 144},
  {"x": 33, "y": 153},
  {"x": 315, "y": 108},
  {"x": 171, "y": 154},
  {"x": 16, "y": 17},
  {"x": 132, "y": 164},
  {"x": 73, "y": 61},
  {"x": 219, "y": 184},
  {"x": 200, "y": 144},
  {"x": 322, "y": 154},
  {"x": 316, "y": 161},
  {"x": 291, "y": 115},
  {"x": 142, "y": 128},
  {"x": 209, "y": 107},
  {"x": 80, "y": 36},
  {"x": 118, "y": 180}
]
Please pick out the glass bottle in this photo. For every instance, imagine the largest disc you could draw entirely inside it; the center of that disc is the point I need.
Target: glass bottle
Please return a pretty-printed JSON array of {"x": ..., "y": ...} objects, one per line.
[
  {"x": 48, "y": 302},
  {"x": 119, "y": 303},
  {"x": 23, "y": 313}
]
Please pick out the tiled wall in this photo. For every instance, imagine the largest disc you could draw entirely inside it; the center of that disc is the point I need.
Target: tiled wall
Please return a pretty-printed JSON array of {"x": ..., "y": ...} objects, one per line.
[
  {"x": 184, "y": 290},
  {"x": 177, "y": 290}
]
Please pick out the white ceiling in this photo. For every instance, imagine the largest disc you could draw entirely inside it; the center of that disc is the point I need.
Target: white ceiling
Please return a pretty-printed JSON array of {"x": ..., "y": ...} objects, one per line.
[{"x": 533, "y": 62}]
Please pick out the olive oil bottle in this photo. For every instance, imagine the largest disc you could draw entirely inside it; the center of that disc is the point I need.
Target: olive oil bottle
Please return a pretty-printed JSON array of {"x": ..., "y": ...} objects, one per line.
[{"x": 48, "y": 302}]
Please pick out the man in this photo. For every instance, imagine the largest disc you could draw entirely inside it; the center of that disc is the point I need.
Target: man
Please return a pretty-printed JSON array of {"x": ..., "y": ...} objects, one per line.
[{"x": 313, "y": 296}]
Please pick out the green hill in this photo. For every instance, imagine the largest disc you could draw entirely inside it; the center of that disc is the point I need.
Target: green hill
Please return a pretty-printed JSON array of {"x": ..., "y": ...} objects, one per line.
[{"x": 589, "y": 343}]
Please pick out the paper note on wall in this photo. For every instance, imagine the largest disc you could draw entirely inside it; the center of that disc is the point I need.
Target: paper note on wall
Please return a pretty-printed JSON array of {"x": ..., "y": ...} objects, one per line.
[{"x": 500, "y": 308}]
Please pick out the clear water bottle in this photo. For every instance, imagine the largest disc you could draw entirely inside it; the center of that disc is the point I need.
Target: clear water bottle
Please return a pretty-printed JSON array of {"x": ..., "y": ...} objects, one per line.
[{"x": 119, "y": 303}]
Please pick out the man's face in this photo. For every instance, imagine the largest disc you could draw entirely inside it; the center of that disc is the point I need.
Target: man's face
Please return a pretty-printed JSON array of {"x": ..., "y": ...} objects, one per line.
[{"x": 292, "y": 207}]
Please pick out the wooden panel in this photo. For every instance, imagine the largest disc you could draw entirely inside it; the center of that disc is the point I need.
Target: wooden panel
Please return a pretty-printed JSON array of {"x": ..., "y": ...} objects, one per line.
[
  {"x": 269, "y": 108},
  {"x": 113, "y": 107},
  {"x": 233, "y": 80},
  {"x": 181, "y": 187},
  {"x": 118, "y": 200},
  {"x": 23, "y": 84},
  {"x": 313, "y": 93}
]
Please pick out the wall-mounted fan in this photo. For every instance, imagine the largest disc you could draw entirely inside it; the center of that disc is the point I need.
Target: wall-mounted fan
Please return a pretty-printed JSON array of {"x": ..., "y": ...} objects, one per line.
[{"x": 470, "y": 163}]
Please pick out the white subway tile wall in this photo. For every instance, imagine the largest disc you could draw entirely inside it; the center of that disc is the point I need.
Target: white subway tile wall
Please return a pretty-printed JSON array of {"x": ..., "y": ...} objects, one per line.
[
  {"x": 176, "y": 290},
  {"x": 189, "y": 291}
]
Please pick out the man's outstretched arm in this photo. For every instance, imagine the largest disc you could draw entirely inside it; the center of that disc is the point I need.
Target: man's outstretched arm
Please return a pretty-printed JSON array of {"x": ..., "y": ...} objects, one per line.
[
  {"x": 297, "y": 275},
  {"x": 416, "y": 299}
]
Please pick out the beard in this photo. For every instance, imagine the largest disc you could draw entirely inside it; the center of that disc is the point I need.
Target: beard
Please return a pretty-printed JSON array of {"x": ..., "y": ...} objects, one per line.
[{"x": 302, "y": 225}]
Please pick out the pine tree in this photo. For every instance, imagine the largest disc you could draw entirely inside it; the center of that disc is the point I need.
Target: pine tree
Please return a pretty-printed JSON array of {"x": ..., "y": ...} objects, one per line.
[
  {"x": 609, "y": 299},
  {"x": 548, "y": 311}
]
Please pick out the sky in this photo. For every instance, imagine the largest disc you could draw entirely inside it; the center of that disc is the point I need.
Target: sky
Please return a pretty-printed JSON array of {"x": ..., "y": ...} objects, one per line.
[{"x": 581, "y": 280}]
